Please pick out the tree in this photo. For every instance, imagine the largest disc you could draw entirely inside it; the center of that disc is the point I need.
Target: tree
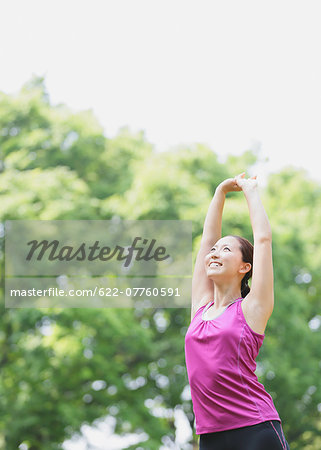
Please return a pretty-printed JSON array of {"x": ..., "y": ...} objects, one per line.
[{"x": 36, "y": 134}]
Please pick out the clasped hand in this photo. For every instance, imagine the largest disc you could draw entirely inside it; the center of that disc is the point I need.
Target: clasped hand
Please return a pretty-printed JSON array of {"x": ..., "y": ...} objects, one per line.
[{"x": 238, "y": 183}]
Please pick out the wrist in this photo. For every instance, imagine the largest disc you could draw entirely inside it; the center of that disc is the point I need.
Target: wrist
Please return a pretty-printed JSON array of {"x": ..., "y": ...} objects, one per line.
[
  {"x": 252, "y": 190},
  {"x": 220, "y": 189}
]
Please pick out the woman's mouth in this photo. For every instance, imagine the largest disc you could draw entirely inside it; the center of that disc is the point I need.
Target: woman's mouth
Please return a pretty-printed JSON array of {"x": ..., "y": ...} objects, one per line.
[{"x": 215, "y": 264}]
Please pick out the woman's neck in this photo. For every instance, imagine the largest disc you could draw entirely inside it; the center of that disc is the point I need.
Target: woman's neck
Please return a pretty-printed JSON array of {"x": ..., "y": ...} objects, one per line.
[{"x": 225, "y": 295}]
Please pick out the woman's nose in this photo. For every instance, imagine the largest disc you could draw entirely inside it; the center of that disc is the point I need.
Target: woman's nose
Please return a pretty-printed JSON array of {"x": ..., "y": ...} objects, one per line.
[{"x": 213, "y": 254}]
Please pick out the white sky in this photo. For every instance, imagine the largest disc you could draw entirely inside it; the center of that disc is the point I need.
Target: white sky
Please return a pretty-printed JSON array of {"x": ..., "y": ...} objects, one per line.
[{"x": 232, "y": 74}]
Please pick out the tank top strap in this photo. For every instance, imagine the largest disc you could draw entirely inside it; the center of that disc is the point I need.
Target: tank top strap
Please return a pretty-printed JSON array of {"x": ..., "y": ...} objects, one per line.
[{"x": 207, "y": 306}]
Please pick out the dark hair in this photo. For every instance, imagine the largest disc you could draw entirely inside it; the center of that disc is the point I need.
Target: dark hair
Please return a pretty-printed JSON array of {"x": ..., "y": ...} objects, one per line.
[{"x": 247, "y": 254}]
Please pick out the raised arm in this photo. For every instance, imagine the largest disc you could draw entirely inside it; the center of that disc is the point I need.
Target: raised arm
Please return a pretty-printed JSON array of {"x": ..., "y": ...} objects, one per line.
[
  {"x": 261, "y": 295},
  {"x": 202, "y": 286}
]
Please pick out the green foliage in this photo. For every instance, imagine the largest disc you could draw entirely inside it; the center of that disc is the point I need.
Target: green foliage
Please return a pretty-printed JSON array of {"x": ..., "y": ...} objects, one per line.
[
  {"x": 35, "y": 134},
  {"x": 61, "y": 368},
  {"x": 48, "y": 194}
]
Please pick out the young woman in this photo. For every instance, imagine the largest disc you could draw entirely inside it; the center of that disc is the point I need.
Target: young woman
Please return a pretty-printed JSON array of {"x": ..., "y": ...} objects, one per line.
[{"x": 233, "y": 411}]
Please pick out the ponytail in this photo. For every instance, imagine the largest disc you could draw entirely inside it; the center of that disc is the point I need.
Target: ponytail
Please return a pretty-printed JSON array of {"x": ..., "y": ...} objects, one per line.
[
  {"x": 247, "y": 254},
  {"x": 245, "y": 288}
]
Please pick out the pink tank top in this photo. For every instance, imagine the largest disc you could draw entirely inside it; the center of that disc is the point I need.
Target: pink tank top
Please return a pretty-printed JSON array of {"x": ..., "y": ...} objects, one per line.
[{"x": 220, "y": 360}]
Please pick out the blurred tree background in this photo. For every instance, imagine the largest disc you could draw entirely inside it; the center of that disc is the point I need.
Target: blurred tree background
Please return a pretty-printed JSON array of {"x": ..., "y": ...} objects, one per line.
[{"x": 61, "y": 368}]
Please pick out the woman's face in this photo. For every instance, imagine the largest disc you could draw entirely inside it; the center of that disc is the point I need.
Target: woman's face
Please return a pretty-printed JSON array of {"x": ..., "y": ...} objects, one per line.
[{"x": 225, "y": 259}]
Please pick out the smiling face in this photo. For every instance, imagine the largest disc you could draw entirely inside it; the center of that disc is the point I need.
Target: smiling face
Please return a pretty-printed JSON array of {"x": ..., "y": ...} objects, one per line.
[{"x": 225, "y": 260}]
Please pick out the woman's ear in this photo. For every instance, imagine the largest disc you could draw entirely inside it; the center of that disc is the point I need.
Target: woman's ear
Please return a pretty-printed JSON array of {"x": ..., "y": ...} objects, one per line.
[{"x": 246, "y": 267}]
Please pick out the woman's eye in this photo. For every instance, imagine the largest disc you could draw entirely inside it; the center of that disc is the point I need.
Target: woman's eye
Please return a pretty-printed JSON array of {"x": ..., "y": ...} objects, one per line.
[{"x": 226, "y": 248}]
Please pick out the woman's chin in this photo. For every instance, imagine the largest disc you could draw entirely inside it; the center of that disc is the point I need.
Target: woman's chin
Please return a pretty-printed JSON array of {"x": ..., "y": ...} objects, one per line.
[
  {"x": 211, "y": 275},
  {"x": 217, "y": 275}
]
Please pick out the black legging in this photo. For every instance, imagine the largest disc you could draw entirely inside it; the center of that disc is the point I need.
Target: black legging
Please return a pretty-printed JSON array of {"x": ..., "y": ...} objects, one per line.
[{"x": 261, "y": 436}]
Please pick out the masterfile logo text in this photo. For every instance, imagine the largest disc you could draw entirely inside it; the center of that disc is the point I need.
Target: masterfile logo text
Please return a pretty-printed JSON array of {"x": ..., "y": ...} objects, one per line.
[{"x": 105, "y": 263}]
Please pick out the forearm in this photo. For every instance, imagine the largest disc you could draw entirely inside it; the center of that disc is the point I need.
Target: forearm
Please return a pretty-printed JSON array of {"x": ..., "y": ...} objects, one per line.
[
  {"x": 212, "y": 229},
  {"x": 259, "y": 220}
]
